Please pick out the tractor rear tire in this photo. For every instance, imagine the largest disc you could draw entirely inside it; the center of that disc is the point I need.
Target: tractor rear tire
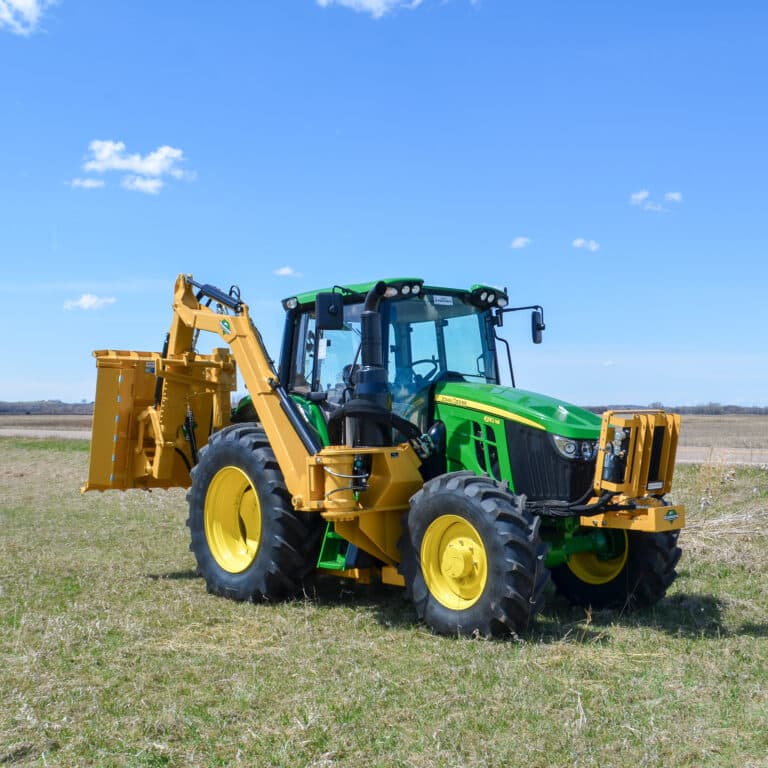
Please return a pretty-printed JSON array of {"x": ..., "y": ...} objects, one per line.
[
  {"x": 472, "y": 558},
  {"x": 248, "y": 541},
  {"x": 637, "y": 578}
]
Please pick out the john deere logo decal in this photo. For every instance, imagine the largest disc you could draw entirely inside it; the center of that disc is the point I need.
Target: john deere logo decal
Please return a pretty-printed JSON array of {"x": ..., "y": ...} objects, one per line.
[
  {"x": 226, "y": 328},
  {"x": 671, "y": 516}
]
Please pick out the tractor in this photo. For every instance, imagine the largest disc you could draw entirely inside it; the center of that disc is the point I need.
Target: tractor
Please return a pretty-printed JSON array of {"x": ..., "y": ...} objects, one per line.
[{"x": 382, "y": 446}]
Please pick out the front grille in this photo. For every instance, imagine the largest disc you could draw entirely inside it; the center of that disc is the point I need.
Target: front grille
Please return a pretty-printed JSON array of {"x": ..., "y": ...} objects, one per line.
[{"x": 540, "y": 472}]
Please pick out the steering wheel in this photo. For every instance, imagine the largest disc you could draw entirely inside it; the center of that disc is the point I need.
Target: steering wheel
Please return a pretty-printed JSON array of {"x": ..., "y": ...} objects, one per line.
[{"x": 430, "y": 374}]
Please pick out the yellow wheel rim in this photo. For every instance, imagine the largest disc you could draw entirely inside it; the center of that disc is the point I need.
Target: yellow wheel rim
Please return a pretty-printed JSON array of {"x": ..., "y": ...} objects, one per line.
[
  {"x": 232, "y": 519},
  {"x": 590, "y": 569},
  {"x": 453, "y": 562}
]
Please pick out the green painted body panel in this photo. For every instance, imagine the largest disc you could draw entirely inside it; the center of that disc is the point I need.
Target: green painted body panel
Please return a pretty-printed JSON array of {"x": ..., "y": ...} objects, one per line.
[
  {"x": 333, "y": 551},
  {"x": 472, "y": 439},
  {"x": 476, "y": 436},
  {"x": 309, "y": 409},
  {"x": 555, "y": 416},
  {"x": 314, "y": 417}
]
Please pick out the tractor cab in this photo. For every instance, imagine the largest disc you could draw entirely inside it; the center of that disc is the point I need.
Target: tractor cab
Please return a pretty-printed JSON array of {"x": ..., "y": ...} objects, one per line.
[{"x": 425, "y": 335}]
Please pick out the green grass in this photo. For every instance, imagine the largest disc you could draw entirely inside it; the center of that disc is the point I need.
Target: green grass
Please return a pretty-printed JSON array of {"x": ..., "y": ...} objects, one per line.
[
  {"x": 45, "y": 444},
  {"x": 112, "y": 653}
]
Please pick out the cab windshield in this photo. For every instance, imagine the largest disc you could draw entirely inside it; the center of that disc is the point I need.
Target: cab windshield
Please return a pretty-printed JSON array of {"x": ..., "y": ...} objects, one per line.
[{"x": 436, "y": 337}]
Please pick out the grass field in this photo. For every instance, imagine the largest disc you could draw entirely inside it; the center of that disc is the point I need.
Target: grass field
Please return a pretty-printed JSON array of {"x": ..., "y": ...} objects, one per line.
[{"x": 112, "y": 653}]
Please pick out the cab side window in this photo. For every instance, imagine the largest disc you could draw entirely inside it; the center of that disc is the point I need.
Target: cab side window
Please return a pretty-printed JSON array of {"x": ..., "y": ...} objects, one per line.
[{"x": 322, "y": 359}]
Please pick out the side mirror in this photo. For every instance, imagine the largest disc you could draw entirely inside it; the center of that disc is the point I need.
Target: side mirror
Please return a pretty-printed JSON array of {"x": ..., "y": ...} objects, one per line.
[
  {"x": 537, "y": 326},
  {"x": 329, "y": 311}
]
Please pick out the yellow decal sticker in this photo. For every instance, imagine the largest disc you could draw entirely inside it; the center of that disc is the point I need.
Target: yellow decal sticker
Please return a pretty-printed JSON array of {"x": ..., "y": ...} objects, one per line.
[{"x": 475, "y": 406}]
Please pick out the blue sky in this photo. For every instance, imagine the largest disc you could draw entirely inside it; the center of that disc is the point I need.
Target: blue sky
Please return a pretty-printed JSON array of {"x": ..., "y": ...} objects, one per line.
[{"x": 607, "y": 160}]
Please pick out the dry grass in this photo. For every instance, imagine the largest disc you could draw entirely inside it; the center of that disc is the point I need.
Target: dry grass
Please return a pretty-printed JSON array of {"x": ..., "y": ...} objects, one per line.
[
  {"x": 36, "y": 421},
  {"x": 112, "y": 653},
  {"x": 725, "y": 431}
]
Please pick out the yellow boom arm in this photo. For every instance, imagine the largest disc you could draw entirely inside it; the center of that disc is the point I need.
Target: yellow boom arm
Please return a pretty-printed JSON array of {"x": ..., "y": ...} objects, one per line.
[{"x": 154, "y": 411}]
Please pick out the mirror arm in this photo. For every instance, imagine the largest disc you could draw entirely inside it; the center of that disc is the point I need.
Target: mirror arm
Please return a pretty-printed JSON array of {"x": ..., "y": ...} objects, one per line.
[{"x": 518, "y": 309}]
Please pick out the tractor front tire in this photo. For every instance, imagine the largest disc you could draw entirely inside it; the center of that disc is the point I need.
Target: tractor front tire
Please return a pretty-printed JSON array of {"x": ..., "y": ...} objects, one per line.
[
  {"x": 472, "y": 558},
  {"x": 248, "y": 541},
  {"x": 637, "y": 577}
]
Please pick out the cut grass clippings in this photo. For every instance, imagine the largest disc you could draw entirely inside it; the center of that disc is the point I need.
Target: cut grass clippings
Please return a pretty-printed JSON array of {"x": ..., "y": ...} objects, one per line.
[{"x": 112, "y": 653}]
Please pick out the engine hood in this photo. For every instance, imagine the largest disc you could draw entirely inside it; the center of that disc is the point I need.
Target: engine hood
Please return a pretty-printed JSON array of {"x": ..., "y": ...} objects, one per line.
[{"x": 535, "y": 410}]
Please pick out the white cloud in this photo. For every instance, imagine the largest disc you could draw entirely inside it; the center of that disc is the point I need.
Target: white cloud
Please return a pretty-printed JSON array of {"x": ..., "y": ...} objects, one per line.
[
  {"x": 22, "y": 16},
  {"x": 143, "y": 173},
  {"x": 142, "y": 184},
  {"x": 377, "y": 8},
  {"x": 286, "y": 271},
  {"x": 590, "y": 245},
  {"x": 86, "y": 183},
  {"x": 88, "y": 301},
  {"x": 642, "y": 199},
  {"x": 110, "y": 156},
  {"x": 520, "y": 242}
]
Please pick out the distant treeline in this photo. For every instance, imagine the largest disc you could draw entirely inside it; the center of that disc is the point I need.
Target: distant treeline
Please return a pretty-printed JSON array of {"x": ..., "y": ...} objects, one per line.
[
  {"x": 47, "y": 408},
  {"x": 709, "y": 409},
  {"x": 57, "y": 408}
]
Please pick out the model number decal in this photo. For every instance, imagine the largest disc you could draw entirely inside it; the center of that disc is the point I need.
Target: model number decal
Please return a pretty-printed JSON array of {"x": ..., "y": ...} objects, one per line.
[{"x": 491, "y": 420}]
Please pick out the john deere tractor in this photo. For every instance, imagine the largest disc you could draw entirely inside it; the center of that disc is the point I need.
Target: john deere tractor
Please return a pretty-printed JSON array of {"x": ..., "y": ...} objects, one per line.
[{"x": 383, "y": 446}]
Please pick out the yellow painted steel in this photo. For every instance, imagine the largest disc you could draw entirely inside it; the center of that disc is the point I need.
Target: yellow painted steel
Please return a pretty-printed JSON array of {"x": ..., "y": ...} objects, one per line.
[
  {"x": 649, "y": 519},
  {"x": 137, "y": 445},
  {"x": 389, "y": 575},
  {"x": 370, "y": 519},
  {"x": 232, "y": 519},
  {"x": 483, "y": 408},
  {"x": 360, "y": 575},
  {"x": 641, "y": 426},
  {"x": 592, "y": 570},
  {"x": 642, "y": 484},
  {"x": 256, "y": 369},
  {"x": 453, "y": 562}
]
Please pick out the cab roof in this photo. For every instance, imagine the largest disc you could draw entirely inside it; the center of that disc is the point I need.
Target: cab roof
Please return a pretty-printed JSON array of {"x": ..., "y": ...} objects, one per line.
[{"x": 361, "y": 289}]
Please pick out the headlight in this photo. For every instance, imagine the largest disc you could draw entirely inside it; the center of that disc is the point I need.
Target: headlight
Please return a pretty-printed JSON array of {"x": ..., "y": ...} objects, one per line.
[{"x": 570, "y": 448}]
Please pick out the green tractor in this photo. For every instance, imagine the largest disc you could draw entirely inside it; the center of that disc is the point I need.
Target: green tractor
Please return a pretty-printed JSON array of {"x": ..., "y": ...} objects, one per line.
[{"x": 383, "y": 446}]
